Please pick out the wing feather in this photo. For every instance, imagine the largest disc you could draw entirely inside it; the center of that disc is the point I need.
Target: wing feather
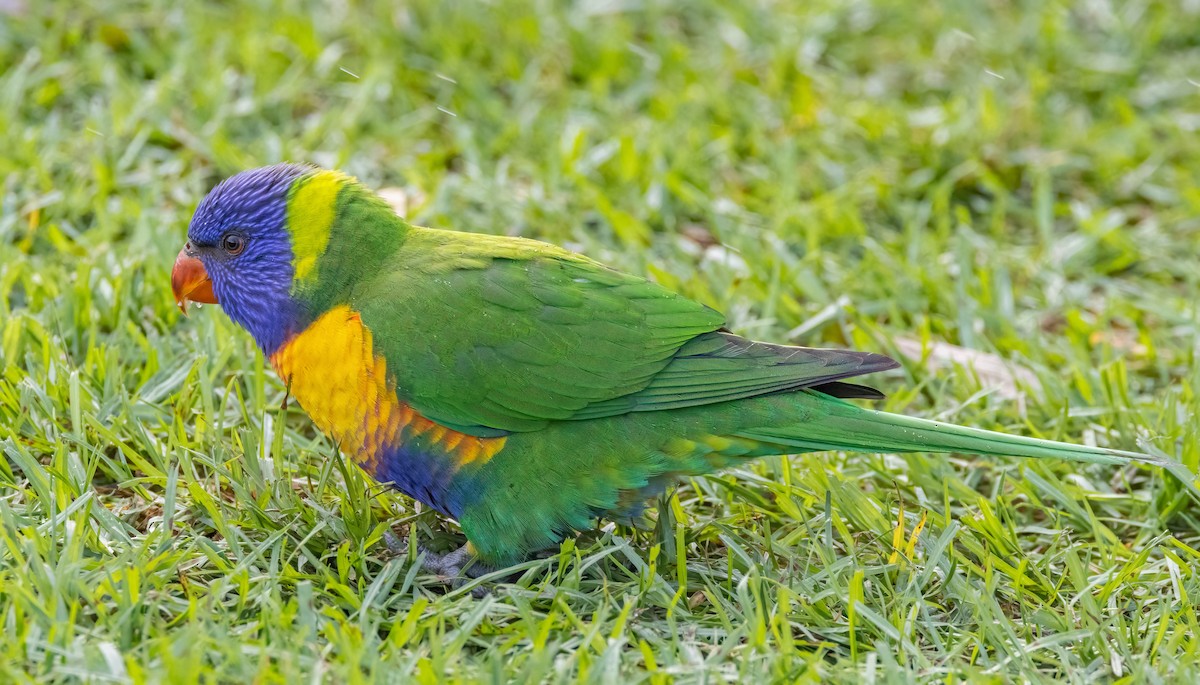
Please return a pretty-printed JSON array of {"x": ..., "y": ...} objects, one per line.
[{"x": 490, "y": 335}]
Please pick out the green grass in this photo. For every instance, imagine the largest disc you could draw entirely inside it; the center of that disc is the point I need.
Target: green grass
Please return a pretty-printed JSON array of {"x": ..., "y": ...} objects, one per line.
[{"x": 1021, "y": 179}]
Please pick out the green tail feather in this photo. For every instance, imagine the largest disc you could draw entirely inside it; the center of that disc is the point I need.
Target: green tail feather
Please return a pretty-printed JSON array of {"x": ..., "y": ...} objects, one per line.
[{"x": 850, "y": 428}]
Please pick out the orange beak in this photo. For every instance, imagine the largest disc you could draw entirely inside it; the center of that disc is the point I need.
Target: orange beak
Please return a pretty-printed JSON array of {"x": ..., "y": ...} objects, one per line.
[{"x": 189, "y": 280}]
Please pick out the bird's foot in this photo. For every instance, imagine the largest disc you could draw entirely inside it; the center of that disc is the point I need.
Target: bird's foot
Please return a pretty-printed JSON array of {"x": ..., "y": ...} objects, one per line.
[
  {"x": 457, "y": 566},
  {"x": 451, "y": 564}
]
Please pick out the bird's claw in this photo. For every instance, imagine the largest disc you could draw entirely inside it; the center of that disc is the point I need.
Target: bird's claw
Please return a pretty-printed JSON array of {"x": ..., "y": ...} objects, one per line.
[
  {"x": 395, "y": 544},
  {"x": 457, "y": 567}
]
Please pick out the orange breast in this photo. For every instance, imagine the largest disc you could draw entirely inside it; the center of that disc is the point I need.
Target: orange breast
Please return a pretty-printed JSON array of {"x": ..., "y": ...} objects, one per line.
[{"x": 332, "y": 370}]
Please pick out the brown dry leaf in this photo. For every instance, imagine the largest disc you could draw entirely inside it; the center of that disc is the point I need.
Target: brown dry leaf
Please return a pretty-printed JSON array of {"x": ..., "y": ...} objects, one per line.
[
  {"x": 994, "y": 371},
  {"x": 1120, "y": 339},
  {"x": 698, "y": 234}
]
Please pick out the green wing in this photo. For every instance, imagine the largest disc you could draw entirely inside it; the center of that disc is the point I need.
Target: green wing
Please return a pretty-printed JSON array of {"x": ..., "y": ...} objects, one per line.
[
  {"x": 719, "y": 367},
  {"x": 489, "y": 335}
]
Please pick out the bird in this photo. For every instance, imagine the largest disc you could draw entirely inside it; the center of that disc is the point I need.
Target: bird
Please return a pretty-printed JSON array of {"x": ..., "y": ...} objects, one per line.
[{"x": 520, "y": 389}]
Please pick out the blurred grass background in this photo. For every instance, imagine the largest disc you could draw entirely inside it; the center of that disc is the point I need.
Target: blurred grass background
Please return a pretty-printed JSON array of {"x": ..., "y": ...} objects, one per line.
[{"x": 1017, "y": 179}]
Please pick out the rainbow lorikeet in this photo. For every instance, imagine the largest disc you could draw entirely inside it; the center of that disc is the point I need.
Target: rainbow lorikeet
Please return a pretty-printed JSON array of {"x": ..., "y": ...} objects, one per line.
[{"x": 517, "y": 387}]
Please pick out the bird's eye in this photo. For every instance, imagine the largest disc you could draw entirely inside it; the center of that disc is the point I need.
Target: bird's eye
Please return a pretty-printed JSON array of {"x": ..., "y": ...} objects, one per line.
[{"x": 233, "y": 243}]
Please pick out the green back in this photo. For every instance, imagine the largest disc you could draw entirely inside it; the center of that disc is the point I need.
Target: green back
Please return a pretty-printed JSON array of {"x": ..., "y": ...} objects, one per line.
[{"x": 490, "y": 335}]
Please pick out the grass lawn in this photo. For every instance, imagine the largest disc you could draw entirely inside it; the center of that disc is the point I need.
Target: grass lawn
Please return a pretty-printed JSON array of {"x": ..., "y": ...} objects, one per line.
[{"x": 1005, "y": 195}]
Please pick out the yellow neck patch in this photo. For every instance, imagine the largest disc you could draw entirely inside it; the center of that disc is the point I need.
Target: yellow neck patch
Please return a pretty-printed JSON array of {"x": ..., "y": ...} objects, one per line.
[
  {"x": 312, "y": 207},
  {"x": 334, "y": 373}
]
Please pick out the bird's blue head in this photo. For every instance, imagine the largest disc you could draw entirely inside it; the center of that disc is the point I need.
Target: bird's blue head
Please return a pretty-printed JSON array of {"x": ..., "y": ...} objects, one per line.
[
  {"x": 279, "y": 245},
  {"x": 239, "y": 253}
]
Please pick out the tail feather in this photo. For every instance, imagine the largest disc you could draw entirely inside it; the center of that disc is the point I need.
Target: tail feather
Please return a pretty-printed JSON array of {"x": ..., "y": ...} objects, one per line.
[{"x": 851, "y": 428}]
